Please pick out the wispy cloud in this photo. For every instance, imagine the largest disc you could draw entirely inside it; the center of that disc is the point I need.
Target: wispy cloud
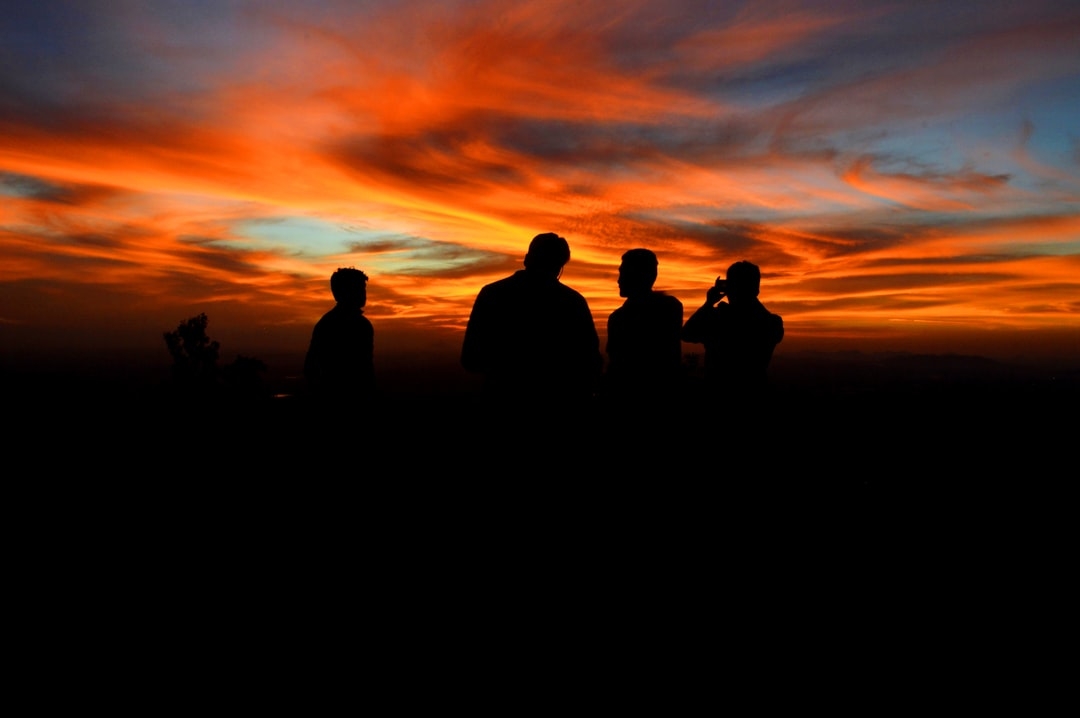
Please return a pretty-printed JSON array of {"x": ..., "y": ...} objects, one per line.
[{"x": 880, "y": 161}]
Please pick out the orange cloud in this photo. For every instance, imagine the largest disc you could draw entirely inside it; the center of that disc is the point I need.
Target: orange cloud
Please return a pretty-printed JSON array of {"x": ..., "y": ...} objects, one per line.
[{"x": 428, "y": 143}]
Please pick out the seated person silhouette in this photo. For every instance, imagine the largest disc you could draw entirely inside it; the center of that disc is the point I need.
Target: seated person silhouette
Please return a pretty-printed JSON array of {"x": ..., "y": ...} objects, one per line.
[
  {"x": 644, "y": 343},
  {"x": 739, "y": 335},
  {"x": 339, "y": 362},
  {"x": 531, "y": 336}
]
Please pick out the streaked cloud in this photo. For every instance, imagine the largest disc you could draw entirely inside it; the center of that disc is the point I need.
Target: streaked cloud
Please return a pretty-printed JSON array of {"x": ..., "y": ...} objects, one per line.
[{"x": 884, "y": 163}]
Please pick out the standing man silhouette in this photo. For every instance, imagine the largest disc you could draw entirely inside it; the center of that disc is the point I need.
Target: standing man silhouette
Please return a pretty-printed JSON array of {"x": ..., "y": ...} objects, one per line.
[
  {"x": 339, "y": 362},
  {"x": 739, "y": 335},
  {"x": 644, "y": 344},
  {"x": 531, "y": 336}
]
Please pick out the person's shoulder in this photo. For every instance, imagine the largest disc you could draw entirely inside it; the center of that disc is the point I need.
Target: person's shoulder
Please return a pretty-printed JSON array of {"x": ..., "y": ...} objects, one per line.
[
  {"x": 501, "y": 285},
  {"x": 569, "y": 292},
  {"x": 327, "y": 318},
  {"x": 514, "y": 278},
  {"x": 662, "y": 299},
  {"x": 772, "y": 315}
]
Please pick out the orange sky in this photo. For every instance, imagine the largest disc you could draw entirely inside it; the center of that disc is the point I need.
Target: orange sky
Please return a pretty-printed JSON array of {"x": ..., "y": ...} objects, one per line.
[{"x": 906, "y": 177}]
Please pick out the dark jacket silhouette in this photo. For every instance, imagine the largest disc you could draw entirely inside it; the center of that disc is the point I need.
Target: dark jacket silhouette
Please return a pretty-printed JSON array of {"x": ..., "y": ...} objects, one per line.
[
  {"x": 530, "y": 335},
  {"x": 644, "y": 344},
  {"x": 340, "y": 359}
]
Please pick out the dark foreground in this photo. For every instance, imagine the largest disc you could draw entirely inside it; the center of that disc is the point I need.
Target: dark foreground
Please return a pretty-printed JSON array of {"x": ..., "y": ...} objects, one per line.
[
  {"x": 423, "y": 516},
  {"x": 836, "y": 427}
]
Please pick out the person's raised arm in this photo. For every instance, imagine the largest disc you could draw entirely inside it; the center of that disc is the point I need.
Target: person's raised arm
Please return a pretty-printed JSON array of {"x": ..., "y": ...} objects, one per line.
[{"x": 697, "y": 327}]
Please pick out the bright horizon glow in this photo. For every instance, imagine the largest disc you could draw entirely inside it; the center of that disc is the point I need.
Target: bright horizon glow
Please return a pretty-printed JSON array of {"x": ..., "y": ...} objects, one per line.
[{"x": 907, "y": 176}]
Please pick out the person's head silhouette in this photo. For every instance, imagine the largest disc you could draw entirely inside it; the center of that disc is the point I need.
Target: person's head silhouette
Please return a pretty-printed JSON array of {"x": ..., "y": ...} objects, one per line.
[
  {"x": 743, "y": 281},
  {"x": 547, "y": 254},
  {"x": 637, "y": 273},
  {"x": 349, "y": 287}
]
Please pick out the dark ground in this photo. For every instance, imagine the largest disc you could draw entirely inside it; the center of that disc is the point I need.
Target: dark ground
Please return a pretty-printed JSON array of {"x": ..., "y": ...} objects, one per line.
[
  {"x": 878, "y": 488},
  {"x": 832, "y": 420}
]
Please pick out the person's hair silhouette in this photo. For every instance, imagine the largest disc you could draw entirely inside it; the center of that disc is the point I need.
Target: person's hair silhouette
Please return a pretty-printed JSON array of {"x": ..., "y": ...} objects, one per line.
[
  {"x": 644, "y": 345},
  {"x": 532, "y": 337},
  {"x": 339, "y": 361},
  {"x": 548, "y": 254},
  {"x": 739, "y": 335}
]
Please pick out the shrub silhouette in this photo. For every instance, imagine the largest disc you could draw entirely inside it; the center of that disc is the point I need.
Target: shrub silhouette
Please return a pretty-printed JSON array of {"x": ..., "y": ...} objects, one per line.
[
  {"x": 194, "y": 355},
  {"x": 195, "y": 364}
]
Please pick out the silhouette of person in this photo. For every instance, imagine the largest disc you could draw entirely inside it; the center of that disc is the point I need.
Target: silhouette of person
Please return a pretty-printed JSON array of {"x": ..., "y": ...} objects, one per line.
[
  {"x": 531, "y": 336},
  {"x": 339, "y": 361},
  {"x": 644, "y": 344},
  {"x": 739, "y": 335}
]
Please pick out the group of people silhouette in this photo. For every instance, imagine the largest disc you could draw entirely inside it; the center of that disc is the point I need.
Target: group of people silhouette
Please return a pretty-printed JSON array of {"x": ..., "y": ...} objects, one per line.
[{"x": 533, "y": 338}]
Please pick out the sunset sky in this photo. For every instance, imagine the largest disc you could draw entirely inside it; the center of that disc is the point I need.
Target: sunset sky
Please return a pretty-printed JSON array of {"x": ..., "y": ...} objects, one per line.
[{"x": 906, "y": 174}]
